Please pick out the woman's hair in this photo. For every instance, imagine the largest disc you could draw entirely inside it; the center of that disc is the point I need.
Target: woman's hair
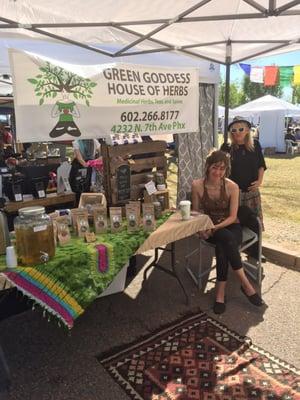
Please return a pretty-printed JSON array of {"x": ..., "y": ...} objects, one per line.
[
  {"x": 248, "y": 140},
  {"x": 216, "y": 157}
]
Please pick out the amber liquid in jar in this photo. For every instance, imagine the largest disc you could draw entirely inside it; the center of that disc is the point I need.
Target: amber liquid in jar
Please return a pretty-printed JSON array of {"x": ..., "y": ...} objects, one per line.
[
  {"x": 31, "y": 245},
  {"x": 34, "y": 236}
]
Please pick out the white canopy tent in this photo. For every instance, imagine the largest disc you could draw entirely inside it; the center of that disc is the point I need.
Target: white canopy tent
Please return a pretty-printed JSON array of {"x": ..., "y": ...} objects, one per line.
[
  {"x": 197, "y": 28},
  {"x": 238, "y": 30},
  {"x": 270, "y": 112}
]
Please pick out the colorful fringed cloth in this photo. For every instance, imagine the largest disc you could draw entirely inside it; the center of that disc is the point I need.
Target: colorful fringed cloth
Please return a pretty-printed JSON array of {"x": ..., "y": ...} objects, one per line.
[{"x": 78, "y": 274}]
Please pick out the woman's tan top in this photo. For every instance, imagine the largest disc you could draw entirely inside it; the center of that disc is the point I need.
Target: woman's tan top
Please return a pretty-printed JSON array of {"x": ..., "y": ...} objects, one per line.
[{"x": 218, "y": 209}]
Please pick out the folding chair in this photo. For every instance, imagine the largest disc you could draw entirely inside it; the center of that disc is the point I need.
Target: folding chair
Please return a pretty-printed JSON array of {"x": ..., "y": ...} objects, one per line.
[
  {"x": 248, "y": 239},
  {"x": 290, "y": 148}
]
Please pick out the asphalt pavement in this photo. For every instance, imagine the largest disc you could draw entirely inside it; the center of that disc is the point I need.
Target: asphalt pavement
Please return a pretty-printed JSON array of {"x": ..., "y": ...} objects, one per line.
[{"x": 48, "y": 362}]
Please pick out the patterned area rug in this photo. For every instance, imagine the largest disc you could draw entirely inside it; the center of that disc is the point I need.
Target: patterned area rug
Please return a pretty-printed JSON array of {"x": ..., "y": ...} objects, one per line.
[{"x": 198, "y": 358}]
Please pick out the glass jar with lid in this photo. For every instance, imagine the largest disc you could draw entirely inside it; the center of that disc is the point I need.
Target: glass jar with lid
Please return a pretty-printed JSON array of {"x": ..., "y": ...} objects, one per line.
[
  {"x": 160, "y": 179},
  {"x": 34, "y": 236}
]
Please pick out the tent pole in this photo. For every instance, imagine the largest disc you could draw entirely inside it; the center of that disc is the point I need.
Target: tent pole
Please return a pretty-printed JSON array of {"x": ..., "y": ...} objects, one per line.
[{"x": 227, "y": 89}]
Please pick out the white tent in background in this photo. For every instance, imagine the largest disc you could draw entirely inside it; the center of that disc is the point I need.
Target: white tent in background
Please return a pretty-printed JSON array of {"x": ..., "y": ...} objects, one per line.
[
  {"x": 267, "y": 103},
  {"x": 270, "y": 111}
]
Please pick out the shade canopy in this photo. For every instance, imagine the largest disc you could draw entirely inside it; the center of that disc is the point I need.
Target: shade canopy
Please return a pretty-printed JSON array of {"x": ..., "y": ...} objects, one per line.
[
  {"x": 266, "y": 103},
  {"x": 226, "y": 31}
]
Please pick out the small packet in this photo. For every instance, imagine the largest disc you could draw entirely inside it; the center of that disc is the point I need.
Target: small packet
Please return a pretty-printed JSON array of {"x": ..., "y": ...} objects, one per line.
[
  {"x": 137, "y": 205},
  {"x": 100, "y": 219},
  {"x": 115, "y": 214},
  {"x": 54, "y": 217},
  {"x": 133, "y": 217},
  {"x": 63, "y": 231},
  {"x": 82, "y": 224},
  {"x": 75, "y": 214},
  {"x": 148, "y": 217}
]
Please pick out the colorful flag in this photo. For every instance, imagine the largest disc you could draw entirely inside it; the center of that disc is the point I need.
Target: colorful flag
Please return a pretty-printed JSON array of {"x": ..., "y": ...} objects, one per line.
[
  {"x": 296, "y": 75},
  {"x": 246, "y": 68},
  {"x": 286, "y": 75},
  {"x": 257, "y": 74},
  {"x": 271, "y": 76}
]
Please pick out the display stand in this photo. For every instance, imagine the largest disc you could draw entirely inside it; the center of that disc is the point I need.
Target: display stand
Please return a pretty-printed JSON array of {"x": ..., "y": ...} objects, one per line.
[
  {"x": 141, "y": 159},
  {"x": 51, "y": 200}
]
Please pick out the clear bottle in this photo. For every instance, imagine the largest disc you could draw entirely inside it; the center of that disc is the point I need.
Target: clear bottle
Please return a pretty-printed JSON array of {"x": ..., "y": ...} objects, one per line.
[{"x": 34, "y": 236}]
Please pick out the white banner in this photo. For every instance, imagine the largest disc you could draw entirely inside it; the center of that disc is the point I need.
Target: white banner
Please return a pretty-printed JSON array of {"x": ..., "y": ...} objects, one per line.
[{"x": 58, "y": 101}]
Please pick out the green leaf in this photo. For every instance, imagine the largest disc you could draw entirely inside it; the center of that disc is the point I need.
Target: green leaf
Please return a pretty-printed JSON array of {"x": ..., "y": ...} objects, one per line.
[
  {"x": 76, "y": 96},
  {"x": 32, "y": 80},
  {"x": 87, "y": 103},
  {"x": 41, "y": 101},
  {"x": 39, "y": 76},
  {"x": 54, "y": 94},
  {"x": 93, "y": 84}
]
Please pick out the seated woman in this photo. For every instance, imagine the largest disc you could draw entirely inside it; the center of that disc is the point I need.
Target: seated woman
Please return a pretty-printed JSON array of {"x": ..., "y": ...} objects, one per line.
[{"x": 218, "y": 197}]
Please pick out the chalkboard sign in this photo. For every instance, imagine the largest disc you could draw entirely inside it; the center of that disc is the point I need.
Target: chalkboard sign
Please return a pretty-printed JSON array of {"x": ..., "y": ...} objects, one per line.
[{"x": 123, "y": 182}]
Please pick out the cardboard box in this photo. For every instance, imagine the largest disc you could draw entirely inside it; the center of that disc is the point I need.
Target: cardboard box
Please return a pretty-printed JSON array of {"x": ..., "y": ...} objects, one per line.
[{"x": 90, "y": 200}]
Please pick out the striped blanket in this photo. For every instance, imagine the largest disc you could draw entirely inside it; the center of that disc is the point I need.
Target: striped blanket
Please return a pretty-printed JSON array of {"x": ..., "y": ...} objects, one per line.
[{"x": 77, "y": 275}]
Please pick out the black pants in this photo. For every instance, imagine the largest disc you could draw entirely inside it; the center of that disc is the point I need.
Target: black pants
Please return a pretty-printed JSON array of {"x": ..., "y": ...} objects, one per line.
[
  {"x": 227, "y": 241},
  {"x": 248, "y": 218}
]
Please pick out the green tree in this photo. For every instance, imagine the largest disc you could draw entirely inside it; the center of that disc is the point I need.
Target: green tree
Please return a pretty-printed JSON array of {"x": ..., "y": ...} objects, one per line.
[
  {"x": 296, "y": 95},
  {"x": 235, "y": 96},
  {"x": 253, "y": 90},
  {"x": 53, "y": 80}
]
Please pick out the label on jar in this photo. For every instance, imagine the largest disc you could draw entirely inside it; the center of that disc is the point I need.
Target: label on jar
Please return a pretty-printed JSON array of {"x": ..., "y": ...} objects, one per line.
[{"x": 40, "y": 228}]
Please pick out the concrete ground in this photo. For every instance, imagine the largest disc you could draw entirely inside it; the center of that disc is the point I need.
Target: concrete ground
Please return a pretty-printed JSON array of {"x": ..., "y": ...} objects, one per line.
[{"x": 47, "y": 362}]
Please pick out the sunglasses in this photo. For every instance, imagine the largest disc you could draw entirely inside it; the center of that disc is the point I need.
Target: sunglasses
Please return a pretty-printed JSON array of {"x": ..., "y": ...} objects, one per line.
[{"x": 234, "y": 130}]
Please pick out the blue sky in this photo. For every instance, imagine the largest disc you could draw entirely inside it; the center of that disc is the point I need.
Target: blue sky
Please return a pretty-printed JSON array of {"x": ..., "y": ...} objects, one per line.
[{"x": 284, "y": 59}]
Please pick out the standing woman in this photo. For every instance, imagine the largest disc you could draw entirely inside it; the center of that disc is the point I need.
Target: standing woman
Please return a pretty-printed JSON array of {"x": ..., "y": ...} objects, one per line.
[
  {"x": 247, "y": 171},
  {"x": 217, "y": 196}
]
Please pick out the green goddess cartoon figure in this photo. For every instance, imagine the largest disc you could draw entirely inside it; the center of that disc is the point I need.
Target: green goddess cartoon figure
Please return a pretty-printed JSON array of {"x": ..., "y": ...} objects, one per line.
[
  {"x": 66, "y": 109},
  {"x": 53, "y": 81}
]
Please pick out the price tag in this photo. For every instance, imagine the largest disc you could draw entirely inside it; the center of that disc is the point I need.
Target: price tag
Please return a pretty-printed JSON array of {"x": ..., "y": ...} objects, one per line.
[
  {"x": 41, "y": 193},
  {"x": 90, "y": 237},
  {"x": 18, "y": 197},
  {"x": 150, "y": 187}
]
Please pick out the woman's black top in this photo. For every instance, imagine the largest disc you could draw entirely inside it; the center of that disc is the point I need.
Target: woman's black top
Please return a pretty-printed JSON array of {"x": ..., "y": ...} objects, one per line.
[{"x": 245, "y": 164}]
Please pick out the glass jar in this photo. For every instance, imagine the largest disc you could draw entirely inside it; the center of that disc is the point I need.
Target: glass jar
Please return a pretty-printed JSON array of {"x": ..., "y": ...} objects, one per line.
[
  {"x": 157, "y": 209},
  {"x": 161, "y": 199},
  {"x": 159, "y": 178},
  {"x": 34, "y": 236}
]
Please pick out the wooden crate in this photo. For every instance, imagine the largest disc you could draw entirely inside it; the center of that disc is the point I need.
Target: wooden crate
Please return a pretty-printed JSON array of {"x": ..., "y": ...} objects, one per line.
[
  {"x": 115, "y": 156},
  {"x": 153, "y": 197}
]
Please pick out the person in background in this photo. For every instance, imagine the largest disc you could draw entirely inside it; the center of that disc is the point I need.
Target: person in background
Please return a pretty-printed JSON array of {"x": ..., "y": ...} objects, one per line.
[
  {"x": 247, "y": 171},
  {"x": 297, "y": 134},
  {"x": 218, "y": 197},
  {"x": 290, "y": 136},
  {"x": 81, "y": 175}
]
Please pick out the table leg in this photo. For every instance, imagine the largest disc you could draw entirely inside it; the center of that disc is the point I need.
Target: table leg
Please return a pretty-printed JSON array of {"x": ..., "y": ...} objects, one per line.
[{"x": 172, "y": 272}]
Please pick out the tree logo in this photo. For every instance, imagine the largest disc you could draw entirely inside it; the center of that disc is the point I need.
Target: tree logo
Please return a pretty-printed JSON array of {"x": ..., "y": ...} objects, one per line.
[{"x": 53, "y": 81}]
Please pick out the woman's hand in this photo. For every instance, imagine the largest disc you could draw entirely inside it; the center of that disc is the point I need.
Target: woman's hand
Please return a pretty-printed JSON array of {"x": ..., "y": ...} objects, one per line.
[
  {"x": 205, "y": 234},
  {"x": 254, "y": 186}
]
